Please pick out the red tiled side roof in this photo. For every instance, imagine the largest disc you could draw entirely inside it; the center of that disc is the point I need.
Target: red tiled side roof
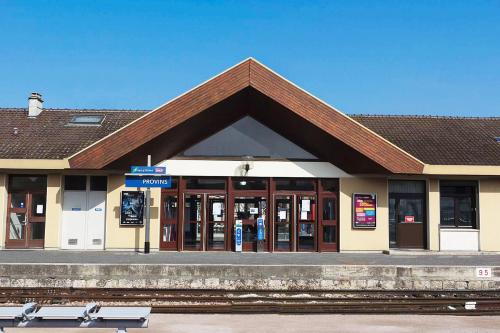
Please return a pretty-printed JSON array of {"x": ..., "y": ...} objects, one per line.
[
  {"x": 441, "y": 140},
  {"x": 49, "y": 135},
  {"x": 433, "y": 140}
]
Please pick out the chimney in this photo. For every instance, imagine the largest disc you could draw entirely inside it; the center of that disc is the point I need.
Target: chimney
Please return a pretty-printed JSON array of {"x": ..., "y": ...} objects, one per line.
[{"x": 35, "y": 105}]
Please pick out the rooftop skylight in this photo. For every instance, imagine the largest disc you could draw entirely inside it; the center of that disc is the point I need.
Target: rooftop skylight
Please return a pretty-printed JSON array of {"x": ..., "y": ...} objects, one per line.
[{"x": 87, "y": 120}]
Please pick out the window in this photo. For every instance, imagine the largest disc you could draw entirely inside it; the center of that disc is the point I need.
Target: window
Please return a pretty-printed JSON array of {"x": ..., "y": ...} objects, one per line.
[
  {"x": 98, "y": 183},
  {"x": 87, "y": 120},
  {"x": 458, "y": 204},
  {"x": 295, "y": 185},
  {"x": 75, "y": 183},
  {"x": 250, "y": 184},
  {"x": 205, "y": 184}
]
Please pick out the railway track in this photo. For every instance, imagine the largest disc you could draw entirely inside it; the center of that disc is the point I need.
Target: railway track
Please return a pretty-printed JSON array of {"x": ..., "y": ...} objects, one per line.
[{"x": 265, "y": 301}]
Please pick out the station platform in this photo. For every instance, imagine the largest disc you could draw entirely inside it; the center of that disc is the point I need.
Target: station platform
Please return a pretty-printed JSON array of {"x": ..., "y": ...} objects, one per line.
[
  {"x": 401, "y": 257},
  {"x": 247, "y": 271}
]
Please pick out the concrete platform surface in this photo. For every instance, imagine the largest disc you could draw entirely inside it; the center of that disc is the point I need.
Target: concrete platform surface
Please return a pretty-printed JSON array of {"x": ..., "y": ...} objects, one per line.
[
  {"x": 228, "y": 258},
  {"x": 176, "y": 323}
]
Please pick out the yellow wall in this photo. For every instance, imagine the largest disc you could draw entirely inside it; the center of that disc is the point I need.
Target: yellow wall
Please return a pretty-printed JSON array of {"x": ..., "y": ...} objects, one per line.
[
  {"x": 489, "y": 218},
  {"x": 363, "y": 239},
  {"x": 3, "y": 208},
  {"x": 118, "y": 237},
  {"x": 433, "y": 215},
  {"x": 54, "y": 212}
]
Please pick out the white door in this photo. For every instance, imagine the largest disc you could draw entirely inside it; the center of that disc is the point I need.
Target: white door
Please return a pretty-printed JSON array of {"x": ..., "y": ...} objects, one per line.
[
  {"x": 74, "y": 220},
  {"x": 84, "y": 212},
  {"x": 96, "y": 217}
]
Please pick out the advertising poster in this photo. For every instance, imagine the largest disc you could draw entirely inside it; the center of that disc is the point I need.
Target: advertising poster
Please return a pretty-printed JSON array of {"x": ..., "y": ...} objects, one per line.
[
  {"x": 132, "y": 208},
  {"x": 364, "y": 210}
]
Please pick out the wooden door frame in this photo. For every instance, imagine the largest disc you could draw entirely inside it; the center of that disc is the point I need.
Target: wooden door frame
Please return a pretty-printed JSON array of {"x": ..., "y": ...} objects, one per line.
[
  {"x": 232, "y": 194},
  {"x": 398, "y": 197}
]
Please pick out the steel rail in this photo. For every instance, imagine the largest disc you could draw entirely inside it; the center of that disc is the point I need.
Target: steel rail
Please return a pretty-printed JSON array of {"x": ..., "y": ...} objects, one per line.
[{"x": 269, "y": 301}]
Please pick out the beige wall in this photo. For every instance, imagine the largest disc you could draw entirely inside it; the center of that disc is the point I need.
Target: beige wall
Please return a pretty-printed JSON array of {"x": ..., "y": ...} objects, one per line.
[
  {"x": 489, "y": 217},
  {"x": 433, "y": 215},
  {"x": 364, "y": 239},
  {"x": 118, "y": 237},
  {"x": 54, "y": 212},
  {"x": 3, "y": 208}
]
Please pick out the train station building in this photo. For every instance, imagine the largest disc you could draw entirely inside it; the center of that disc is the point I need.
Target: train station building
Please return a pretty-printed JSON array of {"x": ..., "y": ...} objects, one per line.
[{"x": 249, "y": 146}]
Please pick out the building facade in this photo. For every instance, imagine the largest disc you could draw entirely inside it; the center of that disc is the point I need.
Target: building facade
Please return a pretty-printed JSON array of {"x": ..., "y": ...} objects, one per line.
[{"x": 249, "y": 147}]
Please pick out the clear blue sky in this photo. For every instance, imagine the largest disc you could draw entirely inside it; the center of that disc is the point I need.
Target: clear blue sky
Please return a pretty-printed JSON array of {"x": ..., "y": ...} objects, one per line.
[{"x": 379, "y": 57}]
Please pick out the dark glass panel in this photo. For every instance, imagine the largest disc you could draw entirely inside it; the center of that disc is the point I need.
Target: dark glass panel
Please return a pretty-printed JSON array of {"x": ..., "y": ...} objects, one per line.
[
  {"x": 98, "y": 183},
  {"x": 37, "y": 231},
  {"x": 216, "y": 208},
  {"x": 250, "y": 184},
  {"x": 23, "y": 183},
  {"x": 18, "y": 200},
  {"x": 192, "y": 235},
  {"x": 306, "y": 236},
  {"x": 216, "y": 236},
  {"x": 170, "y": 207},
  {"x": 329, "y": 209},
  {"x": 249, "y": 233},
  {"x": 38, "y": 204},
  {"x": 249, "y": 208},
  {"x": 75, "y": 183},
  {"x": 282, "y": 236},
  {"x": 329, "y": 235},
  {"x": 169, "y": 232},
  {"x": 205, "y": 184},
  {"x": 330, "y": 185},
  {"x": 294, "y": 185}
]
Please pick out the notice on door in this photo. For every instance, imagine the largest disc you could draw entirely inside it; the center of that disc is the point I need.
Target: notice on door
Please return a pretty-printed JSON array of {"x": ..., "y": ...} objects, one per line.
[
  {"x": 409, "y": 219},
  {"x": 364, "y": 210},
  {"x": 132, "y": 208}
]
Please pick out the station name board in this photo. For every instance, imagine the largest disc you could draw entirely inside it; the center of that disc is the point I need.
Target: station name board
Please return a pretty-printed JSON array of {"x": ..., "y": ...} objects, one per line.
[{"x": 148, "y": 181}]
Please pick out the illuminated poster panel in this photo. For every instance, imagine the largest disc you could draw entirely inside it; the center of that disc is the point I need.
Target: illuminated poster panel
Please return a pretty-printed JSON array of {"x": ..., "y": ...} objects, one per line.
[{"x": 364, "y": 210}]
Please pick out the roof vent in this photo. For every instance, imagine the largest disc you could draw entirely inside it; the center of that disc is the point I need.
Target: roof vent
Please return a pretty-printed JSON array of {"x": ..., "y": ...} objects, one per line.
[{"x": 35, "y": 104}]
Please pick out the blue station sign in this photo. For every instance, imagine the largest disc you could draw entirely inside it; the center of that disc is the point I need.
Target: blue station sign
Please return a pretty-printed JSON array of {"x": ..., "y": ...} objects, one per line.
[
  {"x": 148, "y": 170},
  {"x": 148, "y": 181}
]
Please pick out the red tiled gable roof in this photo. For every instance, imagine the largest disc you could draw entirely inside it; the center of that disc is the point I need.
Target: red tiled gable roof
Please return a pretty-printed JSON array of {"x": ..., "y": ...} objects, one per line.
[
  {"x": 441, "y": 140},
  {"x": 50, "y": 136}
]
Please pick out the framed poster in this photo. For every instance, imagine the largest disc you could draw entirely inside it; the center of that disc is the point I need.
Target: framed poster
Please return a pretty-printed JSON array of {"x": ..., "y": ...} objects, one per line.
[
  {"x": 132, "y": 208},
  {"x": 364, "y": 210}
]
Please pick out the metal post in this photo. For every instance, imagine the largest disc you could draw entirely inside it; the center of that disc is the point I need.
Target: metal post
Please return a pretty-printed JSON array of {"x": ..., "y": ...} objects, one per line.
[{"x": 147, "y": 213}]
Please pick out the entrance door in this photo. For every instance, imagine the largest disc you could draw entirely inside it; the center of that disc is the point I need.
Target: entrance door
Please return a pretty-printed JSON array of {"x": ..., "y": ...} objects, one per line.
[
  {"x": 248, "y": 210},
  {"x": 26, "y": 212},
  {"x": 407, "y": 214},
  {"x": 168, "y": 224},
  {"x": 328, "y": 227},
  {"x": 295, "y": 217},
  {"x": 204, "y": 222},
  {"x": 84, "y": 212}
]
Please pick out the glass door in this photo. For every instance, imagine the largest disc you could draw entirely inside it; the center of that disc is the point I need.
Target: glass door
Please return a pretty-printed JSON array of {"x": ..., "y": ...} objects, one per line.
[
  {"x": 26, "y": 220},
  {"x": 248, "y": 210},
  {"x": 216, "y": 225},
  {"x": 168, "y": 228},
  {"x": 306, "y": 226},
  {"x": 283, "y": 223},
  {"x": 328, "y": 228},
  {"x": 193, "y": 221}
]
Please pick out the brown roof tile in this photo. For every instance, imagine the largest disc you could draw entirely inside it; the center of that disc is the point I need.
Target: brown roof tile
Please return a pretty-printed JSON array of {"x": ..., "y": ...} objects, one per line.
[
  {"x": 441, "y": 140},
  {"x": 49, "y": 135}
]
